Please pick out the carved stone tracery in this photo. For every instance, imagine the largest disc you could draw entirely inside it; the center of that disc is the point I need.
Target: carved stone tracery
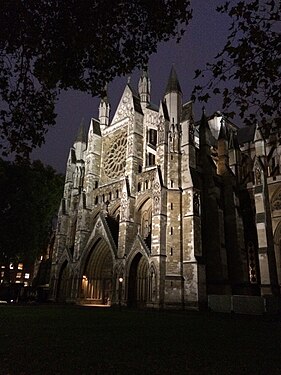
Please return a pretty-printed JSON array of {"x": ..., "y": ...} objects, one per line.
[{"x": 115, "y": 155}]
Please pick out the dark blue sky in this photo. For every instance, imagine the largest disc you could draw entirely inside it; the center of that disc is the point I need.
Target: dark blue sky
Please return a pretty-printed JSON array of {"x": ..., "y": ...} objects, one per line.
[{"x": 204, "y": 37}]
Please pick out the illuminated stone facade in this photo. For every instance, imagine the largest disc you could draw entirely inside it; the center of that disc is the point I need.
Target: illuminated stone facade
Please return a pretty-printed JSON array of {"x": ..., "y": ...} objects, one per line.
[{"x": 161, "y": 211}]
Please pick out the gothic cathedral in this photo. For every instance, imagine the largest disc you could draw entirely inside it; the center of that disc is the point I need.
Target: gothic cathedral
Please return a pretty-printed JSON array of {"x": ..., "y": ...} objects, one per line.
[{"x": 162, "y": 211}]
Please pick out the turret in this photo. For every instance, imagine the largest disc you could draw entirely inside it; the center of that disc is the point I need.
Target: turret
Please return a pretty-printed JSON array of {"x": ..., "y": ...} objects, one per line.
[
  {"x": 69, "y": 180},
  {"x": 93, "y": 155},
  {"x": 173, "y": 97},
  {"x": 144, "y": 87},
  {"x": 80, "y": 142},
  {"x": 259, "y": 142},
  {"x": 80, "y": 145},
  {"x": 104, "y": 110}
]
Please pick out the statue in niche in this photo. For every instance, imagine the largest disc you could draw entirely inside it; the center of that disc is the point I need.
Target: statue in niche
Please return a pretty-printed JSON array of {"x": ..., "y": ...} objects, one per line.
[
  {"x": 145, "y": 229},
  {"x": 258, "y": 176},
  {"x": 196, "y": 204}
]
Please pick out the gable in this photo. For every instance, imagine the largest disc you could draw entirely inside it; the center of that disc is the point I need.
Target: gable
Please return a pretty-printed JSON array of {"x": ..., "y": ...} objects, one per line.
[{"x": 128, "y": 105}]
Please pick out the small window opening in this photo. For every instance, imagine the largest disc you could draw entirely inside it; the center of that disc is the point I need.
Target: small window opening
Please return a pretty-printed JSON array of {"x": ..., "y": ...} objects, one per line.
[{"x": 151, "y": 159}]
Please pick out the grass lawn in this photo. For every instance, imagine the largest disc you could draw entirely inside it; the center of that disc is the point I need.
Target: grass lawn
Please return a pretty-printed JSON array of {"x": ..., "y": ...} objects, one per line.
[{"x": 86, "y": 340}]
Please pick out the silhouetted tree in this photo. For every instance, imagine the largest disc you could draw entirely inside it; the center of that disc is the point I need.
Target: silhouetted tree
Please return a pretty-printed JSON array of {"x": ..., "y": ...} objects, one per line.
[
  {"x": 247, "y": 72},
  {"x": 48, "y": 45},
  {"x": 30, "y": 197}
]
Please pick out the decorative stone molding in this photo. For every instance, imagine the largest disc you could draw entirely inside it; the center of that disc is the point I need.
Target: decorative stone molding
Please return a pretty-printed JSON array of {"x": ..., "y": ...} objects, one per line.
[{"x": 276, "y": 201}]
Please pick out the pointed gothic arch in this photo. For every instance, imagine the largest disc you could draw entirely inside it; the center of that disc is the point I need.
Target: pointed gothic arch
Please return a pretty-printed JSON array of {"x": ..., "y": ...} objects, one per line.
[
  {"x": 137, "y": 275},
  {"x": 114, "y": 209},
  {"x": 276, "y": 202},
  {"x": 97, "y": 274},
  {"x": 137, "y": 292}
]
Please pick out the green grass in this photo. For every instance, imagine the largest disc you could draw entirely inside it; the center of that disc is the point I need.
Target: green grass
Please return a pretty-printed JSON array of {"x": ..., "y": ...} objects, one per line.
[{"x": 85, "y": 340}]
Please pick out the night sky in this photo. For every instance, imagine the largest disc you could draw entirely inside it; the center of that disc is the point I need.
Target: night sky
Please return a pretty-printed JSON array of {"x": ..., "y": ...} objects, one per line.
[{"x": 204, "y": 38}]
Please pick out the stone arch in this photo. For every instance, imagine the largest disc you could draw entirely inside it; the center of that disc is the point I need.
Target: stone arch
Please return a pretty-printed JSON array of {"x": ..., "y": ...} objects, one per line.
[
  {"x": 276, "y": 200},
  {"x": 137, "y": 289},
  {"x": 142, "y": 199},
  {"x": 277, "y": 248},
  {"x": 97, "y": 273},
  {"x": 114, "y": 210}
]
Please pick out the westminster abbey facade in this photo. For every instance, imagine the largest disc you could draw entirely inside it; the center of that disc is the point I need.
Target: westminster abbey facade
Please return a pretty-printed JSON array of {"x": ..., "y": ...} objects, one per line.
[{"x": 160, "y": 210}]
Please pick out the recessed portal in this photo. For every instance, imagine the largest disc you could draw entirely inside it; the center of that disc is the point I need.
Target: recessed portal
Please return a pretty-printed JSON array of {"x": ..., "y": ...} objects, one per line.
[
  {"x": 97, "y": 276},
  {"x": 138, "y": 282}
]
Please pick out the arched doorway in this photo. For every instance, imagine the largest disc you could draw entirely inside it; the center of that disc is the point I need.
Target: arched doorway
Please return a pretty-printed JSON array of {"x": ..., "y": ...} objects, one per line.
[
  {"x": 63, "y": 283},
  {"x": 97, "y": 276},
  {"x": 138, "y": 282}
]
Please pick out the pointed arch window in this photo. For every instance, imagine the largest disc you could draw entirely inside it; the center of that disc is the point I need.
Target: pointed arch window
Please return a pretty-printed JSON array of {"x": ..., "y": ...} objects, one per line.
[{"x": 152, "y": 137}]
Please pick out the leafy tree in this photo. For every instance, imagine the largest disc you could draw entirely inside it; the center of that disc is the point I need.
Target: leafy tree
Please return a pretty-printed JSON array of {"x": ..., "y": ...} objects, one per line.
[
  {"x": 48, "y": 45},
  {"x": 247, "y": 72},
  {"x": 30, "y": 197}
]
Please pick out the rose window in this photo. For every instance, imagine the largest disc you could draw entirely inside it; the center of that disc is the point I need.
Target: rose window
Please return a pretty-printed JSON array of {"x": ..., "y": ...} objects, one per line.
[{"x": 115, "y": 158}]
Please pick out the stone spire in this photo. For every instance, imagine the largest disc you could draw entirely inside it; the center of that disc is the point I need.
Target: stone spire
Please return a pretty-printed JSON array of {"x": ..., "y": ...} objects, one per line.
[
  {"x": 81, "y": 135},
  {"x": 173, "y": 82},
  {"x": 173, "y": 97}
]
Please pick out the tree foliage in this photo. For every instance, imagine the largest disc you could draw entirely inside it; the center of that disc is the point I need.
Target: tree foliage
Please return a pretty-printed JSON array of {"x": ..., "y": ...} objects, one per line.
[
  {"x": 48, "y": 45},
  {"x": 30, "y": 197},
  {"x": 248, "y": 69}
]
